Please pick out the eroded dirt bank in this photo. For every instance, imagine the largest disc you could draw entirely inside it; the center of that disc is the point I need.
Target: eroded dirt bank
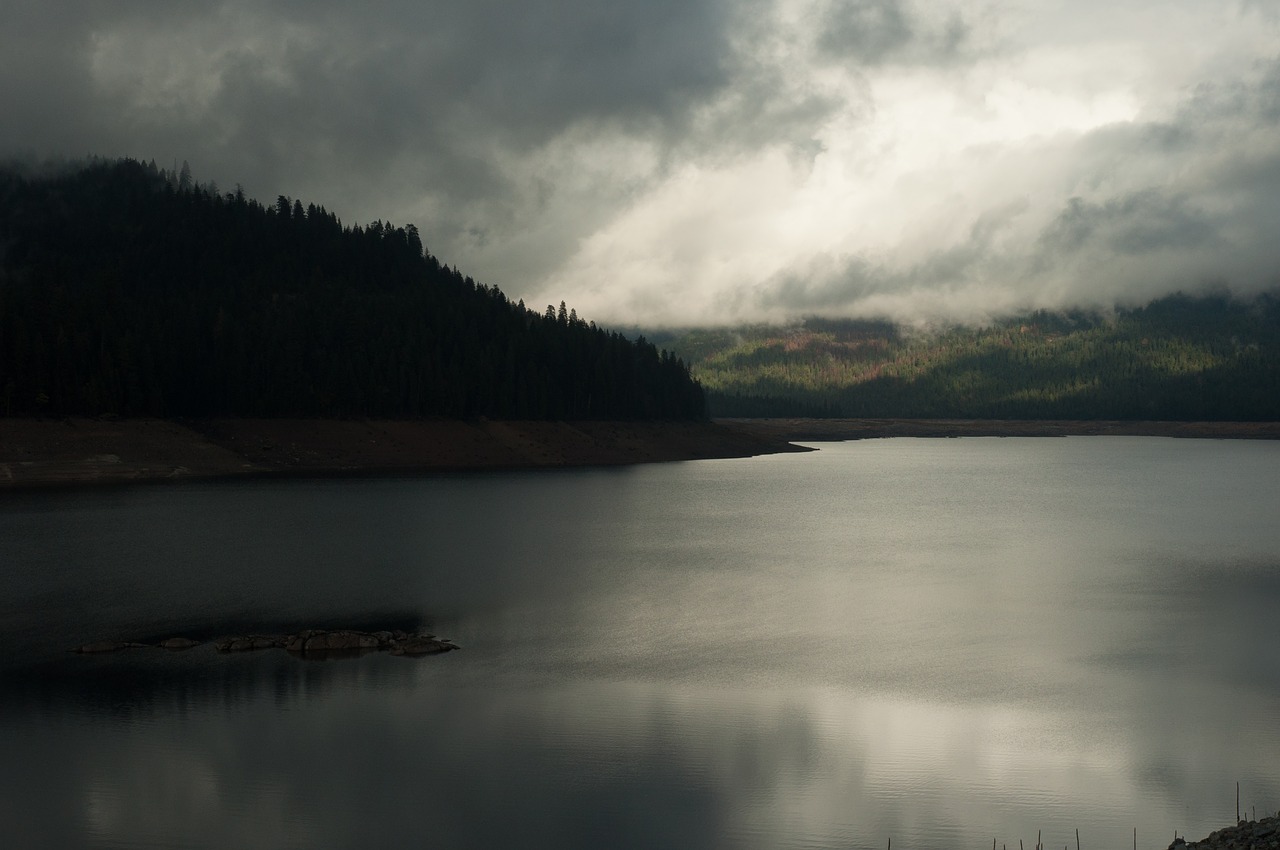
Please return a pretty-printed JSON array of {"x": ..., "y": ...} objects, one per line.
[{"x": 38, "y": 453}]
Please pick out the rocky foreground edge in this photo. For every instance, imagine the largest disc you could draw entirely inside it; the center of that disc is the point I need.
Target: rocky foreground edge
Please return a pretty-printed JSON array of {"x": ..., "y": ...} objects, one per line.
[
  {"x": 1261, "y": 834},
  {"x": 315, "y": 642}
]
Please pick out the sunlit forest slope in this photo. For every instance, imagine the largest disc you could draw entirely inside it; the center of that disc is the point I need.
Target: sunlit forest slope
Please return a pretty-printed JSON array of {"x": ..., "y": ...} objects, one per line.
[
  {"x": 128, "y": 290},
  {"x": 1178, "y": 358}
]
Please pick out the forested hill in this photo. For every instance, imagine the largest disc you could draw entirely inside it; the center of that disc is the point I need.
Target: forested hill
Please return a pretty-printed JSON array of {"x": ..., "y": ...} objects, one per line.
[
  {"x": 128, "y": 290},
  {"x": 1178, "y": 358}
]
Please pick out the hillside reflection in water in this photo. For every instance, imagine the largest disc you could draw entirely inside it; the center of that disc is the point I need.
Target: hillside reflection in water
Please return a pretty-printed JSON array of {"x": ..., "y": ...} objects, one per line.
[{"x": 942, "y": 641}]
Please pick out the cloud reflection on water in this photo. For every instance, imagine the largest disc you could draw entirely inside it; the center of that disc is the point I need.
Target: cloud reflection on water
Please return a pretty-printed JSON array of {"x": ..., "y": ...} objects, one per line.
[
  {"x": 940, "y": 641},
  {"x": 623, "y": 764}
]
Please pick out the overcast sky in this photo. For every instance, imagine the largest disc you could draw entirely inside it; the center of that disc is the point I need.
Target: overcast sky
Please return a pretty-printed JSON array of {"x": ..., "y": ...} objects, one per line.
[{"x": 710, "y": 161}]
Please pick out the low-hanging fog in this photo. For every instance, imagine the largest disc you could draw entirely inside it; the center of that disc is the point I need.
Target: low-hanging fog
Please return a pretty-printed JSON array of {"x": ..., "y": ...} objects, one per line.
[{"x": 710, "y": 161}]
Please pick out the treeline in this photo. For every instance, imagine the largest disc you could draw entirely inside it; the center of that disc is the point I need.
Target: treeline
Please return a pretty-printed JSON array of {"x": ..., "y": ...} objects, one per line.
[
  {"x": 129, "y": 290},
  {"x": 1178, "y": 358}
]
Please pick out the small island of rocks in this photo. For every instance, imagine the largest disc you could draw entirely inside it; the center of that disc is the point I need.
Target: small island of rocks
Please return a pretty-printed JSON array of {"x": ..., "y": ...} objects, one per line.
[{"x": 325, "y": 643}]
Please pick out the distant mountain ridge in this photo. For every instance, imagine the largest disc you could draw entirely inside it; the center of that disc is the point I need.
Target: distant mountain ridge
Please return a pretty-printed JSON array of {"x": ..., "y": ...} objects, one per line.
[
  {"x": 128, "y": 290},
  {"x": 1208, "y": 358}
]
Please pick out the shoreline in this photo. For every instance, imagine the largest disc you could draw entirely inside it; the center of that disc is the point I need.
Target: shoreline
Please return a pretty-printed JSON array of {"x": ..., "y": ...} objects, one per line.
[
  {"x": 77, "y": 451},
  {"x": 824, "y": 430}
]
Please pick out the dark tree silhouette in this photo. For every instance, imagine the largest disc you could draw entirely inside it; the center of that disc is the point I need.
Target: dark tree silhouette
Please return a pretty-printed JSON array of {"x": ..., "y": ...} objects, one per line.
[{"x": 126, "y": 291}]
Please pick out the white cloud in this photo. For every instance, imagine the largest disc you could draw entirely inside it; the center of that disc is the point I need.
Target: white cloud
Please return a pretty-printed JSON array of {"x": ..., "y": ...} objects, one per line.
[{"x": 935, "y": 203}]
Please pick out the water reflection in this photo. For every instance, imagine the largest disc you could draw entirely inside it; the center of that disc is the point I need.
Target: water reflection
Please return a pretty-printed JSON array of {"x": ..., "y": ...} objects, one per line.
[
  {"x": 601, "y": 765},
  {"x": 939, "y": 641}
]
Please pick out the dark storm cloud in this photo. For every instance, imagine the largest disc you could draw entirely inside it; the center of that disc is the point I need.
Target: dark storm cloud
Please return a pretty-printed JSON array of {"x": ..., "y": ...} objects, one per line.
[
  {"x": 463, "y": 115},
  {"x": 277, "y": 95},
  {"x": 521, "y": 74},
  {"x": 1137, "y": 223},
  {"x": 871, "y": 32},
  {"x": 1207, "y": 186},
  {"x": 44, "y": 97}
]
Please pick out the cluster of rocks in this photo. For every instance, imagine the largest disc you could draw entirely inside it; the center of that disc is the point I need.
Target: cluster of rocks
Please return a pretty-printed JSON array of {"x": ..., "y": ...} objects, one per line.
[
  {"x": 1246, "y": 835},
  {"x": 318, "y": 642},
  {"x": 108, "y": 646},
  {"x": 342, "y": 640}
]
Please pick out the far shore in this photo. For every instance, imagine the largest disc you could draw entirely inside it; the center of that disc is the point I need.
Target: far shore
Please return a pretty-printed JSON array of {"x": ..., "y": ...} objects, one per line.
[
  {"x": 41, "y": 453},
  {"x": 824, "y": 430}
]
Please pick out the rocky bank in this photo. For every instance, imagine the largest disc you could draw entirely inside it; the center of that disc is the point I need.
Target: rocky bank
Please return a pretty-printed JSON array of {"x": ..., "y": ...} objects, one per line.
[{"x": 1261, "y": 834}]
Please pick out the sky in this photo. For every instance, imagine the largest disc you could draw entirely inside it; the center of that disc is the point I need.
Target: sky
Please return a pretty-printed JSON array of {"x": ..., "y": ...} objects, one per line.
[{"x": 678, "y": 162}]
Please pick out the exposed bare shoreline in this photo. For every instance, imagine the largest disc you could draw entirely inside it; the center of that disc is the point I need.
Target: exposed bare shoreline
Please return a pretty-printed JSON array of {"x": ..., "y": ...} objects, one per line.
[{"x": 77, "y": 451}]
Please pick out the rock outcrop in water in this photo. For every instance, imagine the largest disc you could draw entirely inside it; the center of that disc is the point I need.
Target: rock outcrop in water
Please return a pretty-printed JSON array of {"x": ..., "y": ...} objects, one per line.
[
  {"x": 100, "y": 646},
  {"x": 1246, "y": 835},
  {"x": 319, "y": 643}
]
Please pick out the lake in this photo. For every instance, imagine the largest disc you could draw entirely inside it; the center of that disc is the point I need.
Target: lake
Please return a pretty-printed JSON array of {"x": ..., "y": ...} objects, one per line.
[{"x": 938, "y": 642}]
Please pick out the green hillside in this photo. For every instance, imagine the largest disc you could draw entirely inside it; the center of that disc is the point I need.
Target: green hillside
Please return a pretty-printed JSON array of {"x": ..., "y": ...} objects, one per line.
[{"x": 1178, "y": 358}]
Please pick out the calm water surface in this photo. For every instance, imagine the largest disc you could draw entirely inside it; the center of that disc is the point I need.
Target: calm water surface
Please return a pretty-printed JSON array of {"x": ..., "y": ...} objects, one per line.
[{"x": 940, "y": 642}]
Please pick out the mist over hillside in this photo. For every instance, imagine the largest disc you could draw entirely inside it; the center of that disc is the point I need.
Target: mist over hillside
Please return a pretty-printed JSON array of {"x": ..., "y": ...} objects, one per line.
[{"x": 1178, "y": 358}]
